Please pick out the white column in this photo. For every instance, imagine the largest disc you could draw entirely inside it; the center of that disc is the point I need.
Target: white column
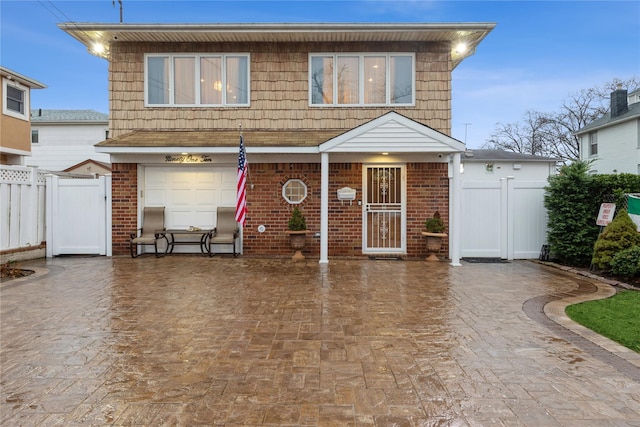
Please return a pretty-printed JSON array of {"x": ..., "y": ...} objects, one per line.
[
  {"x": 324, "y": 208},
  {"x": 455, "y": 194}
]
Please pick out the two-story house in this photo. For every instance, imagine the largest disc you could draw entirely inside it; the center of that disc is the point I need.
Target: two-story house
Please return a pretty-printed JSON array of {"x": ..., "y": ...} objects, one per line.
[
  {"x": 612, "y": 142},
  {"x": 63, "y": 140},
  {"x": 321, "y": 107},
  {"x": 15, "y": 124}
]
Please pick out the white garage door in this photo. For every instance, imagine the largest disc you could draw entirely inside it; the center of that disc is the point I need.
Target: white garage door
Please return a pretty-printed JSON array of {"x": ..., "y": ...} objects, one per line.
[{"x": 190, "y": 194}]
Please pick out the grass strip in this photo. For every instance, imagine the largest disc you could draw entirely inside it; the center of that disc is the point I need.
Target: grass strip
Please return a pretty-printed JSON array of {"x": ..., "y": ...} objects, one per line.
[{"x": 617, "y": 318}]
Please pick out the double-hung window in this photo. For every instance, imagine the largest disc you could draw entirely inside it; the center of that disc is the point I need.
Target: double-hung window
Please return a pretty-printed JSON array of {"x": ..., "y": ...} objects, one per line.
[
  {"x": 15, "y": 101},
  {"x": 196, "y": 80},
  {"x": 593, "y": 143},
  {"x": 361, "y": 79}
]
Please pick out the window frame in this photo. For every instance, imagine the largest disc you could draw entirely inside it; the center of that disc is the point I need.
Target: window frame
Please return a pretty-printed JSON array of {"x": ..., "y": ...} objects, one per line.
[
  {"x": 285, "y": 194},
  {"x": 171, "y": 57},
  {"x": 593, "y": 142},
  {"x": 35, "y": 136},
  {"x": 25, "y": 115},
  {"x": 361, "y": 78}
]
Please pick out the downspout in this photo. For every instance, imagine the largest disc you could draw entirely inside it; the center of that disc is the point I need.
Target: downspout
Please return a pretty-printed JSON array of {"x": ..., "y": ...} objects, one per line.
[{"x": 324, "y": 208}]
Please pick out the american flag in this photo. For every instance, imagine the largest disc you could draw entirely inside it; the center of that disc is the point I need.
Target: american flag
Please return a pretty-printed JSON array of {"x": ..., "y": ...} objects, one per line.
[{"x": 241, "y": 198}]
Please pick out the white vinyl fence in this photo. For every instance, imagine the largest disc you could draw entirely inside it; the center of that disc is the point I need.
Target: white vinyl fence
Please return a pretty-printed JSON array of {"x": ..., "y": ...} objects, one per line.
[
  {"x": 78, "y": 215},
  {"x": 503, "y": 219},
  {"x": 22, "y": 207}
]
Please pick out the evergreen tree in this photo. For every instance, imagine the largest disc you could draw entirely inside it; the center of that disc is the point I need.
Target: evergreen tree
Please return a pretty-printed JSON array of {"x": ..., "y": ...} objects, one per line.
[{"x": 620, "y": 234}]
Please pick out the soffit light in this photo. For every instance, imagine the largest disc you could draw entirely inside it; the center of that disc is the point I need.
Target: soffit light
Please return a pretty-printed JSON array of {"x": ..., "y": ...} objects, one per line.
[{"x": 461, "y": 48}]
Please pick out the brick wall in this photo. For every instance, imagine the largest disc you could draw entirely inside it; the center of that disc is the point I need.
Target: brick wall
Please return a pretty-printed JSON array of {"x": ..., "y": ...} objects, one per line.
[
  {"x": 427, "y": 192},
  {"x": 124, "y": 189}
]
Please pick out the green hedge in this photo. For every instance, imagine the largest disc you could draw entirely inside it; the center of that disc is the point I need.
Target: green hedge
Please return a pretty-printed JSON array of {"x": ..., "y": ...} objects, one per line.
[{"x": 573, "y": 199}]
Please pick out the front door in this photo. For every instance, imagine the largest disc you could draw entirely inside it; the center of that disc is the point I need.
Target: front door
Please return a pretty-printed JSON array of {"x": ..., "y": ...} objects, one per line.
[{"x": 384, "y": 210}]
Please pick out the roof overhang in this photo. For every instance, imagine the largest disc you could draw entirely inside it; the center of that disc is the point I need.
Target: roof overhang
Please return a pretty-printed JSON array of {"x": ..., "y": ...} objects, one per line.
[
  {"x": 99, "y": 37},
  {"x": 390, "y": 133},
  {"x": 23, "y": 80}
]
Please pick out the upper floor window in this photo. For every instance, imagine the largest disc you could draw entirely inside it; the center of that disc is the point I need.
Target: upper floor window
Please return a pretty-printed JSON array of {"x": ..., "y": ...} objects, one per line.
[
  {"x": 362, "y": 79},
  {"x": 196, "y": 80},
  {"x": 15, "y": 102},
  {"x": 593, "y": 143},
  {"x": 34, "y": 136}
]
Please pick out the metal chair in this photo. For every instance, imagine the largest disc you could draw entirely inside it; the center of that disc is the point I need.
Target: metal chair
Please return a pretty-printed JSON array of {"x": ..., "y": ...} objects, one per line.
[
  {"x": 152, "y": 222},
  {"x": 227, "y": 230}
]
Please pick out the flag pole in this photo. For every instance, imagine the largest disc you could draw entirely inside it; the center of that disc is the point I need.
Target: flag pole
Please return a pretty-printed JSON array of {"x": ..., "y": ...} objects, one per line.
[{"x": 248, "y": 171}]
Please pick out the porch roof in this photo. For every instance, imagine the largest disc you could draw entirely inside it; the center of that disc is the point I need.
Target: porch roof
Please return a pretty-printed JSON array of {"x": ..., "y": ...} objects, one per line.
[
  {"x": 140, "y": 141},
  {"x": 391, "y": 132}
]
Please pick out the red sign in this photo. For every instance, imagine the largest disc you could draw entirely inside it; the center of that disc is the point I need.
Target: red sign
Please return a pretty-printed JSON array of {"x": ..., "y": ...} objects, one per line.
[{"x": 607, "y": 210}]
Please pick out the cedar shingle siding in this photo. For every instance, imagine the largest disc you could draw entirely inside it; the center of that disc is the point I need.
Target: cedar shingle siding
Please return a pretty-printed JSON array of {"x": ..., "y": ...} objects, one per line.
[{"x": 279, "y": 89}]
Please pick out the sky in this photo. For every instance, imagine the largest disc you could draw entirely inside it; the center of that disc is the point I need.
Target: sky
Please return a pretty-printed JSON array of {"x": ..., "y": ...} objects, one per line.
[{"x": 539, "y": 54}]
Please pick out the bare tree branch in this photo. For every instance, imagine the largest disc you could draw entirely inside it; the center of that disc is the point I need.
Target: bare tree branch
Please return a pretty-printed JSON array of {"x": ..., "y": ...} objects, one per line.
[{"x": 553, "y": 134}]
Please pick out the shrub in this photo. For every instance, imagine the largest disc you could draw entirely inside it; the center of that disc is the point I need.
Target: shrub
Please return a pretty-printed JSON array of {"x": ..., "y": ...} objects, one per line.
[
  {"x": 620, "y": 234},
  {"x": 435, "y": 224},
  {"x": 297, "y": 222},
  {"x": 572, "y": 227},
  {"x": 626, "y": 263}
]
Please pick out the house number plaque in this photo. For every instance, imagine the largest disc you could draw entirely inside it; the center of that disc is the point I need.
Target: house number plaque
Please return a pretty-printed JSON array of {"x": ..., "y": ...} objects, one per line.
[{"x": 187, "y": 158}]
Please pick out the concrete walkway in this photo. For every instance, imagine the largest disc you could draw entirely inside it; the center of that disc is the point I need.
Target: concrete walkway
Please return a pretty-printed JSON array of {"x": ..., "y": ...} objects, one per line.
[{"x": 188, "y": 340}]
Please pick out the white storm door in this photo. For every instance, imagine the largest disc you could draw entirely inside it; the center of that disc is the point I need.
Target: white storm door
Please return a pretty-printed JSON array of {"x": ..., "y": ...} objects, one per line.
[{"x": 384, "y": 216}]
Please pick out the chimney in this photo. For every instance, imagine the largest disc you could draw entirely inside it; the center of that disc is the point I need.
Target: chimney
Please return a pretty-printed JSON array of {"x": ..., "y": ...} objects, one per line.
[
  {"x": 619, "y": 102},
  {"x": 39, "y": 112}
]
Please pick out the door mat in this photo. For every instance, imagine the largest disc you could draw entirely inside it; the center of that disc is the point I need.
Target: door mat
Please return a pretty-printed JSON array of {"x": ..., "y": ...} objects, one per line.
[{"x": 486, "y": 260}]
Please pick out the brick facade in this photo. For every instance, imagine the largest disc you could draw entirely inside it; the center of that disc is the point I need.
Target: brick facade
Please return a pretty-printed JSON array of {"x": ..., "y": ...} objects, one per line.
[
  {"x": 124, "y": 193},
  {"x": 427, "y": 191}
]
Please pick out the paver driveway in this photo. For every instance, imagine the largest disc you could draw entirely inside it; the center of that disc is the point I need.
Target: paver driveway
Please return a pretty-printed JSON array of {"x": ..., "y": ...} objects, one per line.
[{"x": 187, "y": 340}]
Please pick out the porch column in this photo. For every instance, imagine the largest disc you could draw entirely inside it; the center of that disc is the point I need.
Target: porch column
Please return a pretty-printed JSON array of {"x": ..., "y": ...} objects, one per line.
[
  {"x": 454, "y": 212},
  {"x": 324, "y": 208}
]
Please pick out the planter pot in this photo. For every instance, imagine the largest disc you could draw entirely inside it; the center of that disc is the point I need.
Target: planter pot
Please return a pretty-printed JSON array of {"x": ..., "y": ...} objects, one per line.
[
  {"x": 434, "y": 243},
  {"x": 297, "y": 240}
]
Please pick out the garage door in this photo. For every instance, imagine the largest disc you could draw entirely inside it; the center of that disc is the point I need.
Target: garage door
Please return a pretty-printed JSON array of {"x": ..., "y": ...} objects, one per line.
[{"x": 190, "y": 194}]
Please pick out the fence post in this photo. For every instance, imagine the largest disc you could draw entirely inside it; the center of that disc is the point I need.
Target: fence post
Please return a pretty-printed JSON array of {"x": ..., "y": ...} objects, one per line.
[
  {"x": 108, "y": 196},
  {"x": 30, "y": 208},
  {"x": 51, "y": 191}
]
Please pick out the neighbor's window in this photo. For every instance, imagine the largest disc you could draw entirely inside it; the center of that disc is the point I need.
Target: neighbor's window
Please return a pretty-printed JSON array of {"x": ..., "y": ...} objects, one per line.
[
  {"x": 15, "y": 102},
  {"x": 34, "y": 136},
  {"x": 294, "y": 191},
  {"x": 361, "y": 79},
  {"x": 197, "y": 79},
  {"x": 488, "y": 167},
  {"x": 593, "y": 143}
]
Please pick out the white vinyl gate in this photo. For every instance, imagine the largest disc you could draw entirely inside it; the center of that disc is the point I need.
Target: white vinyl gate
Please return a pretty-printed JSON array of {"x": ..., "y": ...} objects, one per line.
[
  {"x": 503, "y": 219},
  {"x": 78, "y": 216}
]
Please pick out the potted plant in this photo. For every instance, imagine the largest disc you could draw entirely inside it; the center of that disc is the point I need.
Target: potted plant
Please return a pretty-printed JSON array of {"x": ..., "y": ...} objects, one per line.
[
  {"x": 434, "y": 233},
  {"x": 297, "y": 233}
]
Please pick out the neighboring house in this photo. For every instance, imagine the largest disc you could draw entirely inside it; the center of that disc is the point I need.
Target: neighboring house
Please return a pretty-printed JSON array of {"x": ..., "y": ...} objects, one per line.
[
  {"x": 503, "y": 213},
  {"x": 15, "y": 126},
  {"x": 612, "y": 142},
  {"x": 62, "y": 139},
  {"x": 90, "y": 167},
  {"x": 321, "y": 107}
]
